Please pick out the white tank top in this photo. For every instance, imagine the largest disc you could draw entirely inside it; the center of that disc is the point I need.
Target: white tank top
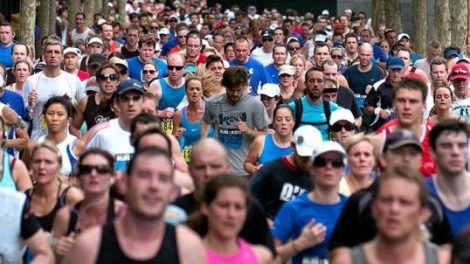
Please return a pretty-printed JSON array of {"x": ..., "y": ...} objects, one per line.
[{"x": 12, "y": 246}]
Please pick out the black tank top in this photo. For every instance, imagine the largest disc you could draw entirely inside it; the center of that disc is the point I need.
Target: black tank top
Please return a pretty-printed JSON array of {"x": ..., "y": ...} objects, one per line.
[
  {"x": 95, "y": 114},
  {"x": 83, "y": 63},
  {"x": 129, "y": 54},
  {"x": 73, "y": 222},
  {"x": 110, "y": 250},
  {"x": 46, "y": 221}
]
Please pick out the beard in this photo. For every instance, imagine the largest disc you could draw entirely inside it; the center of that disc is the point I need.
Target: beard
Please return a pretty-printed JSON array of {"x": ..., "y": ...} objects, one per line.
[{"x": 314, "y": 95}]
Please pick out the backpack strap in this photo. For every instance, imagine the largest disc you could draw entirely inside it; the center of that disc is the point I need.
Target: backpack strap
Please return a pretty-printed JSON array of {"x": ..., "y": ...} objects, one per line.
[
  {"x": 327, "y": 111},
  {"x": 299, "y": 110}
]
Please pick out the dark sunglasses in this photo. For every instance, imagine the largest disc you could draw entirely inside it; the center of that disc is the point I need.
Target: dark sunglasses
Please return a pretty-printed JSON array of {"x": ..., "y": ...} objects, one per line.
[
  {"x": 322, "y": 162},
  {"x": 294, "y": 48},
  {"x": 267, "y": 39},
  {"x": 336, "y": 56},
  {"x": 112, "y": 77},
  {"x": 337, "y": 127},
  {"x": 173, "y": 20},
  {"x": 181, "y": 36},
  {"x": 149, "y": 71},
  {"x": 88, "y": 169},
  {"x": 153, "y": 28},
  {"x": 178, "y": 68}
]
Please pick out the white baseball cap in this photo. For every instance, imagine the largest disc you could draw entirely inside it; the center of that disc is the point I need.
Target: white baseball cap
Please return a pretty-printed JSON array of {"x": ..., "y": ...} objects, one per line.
[
  {"x": 328, "y": 146},
  {"x": 306, "y": 139},
  {"x": 270, "y": 89},
  {"x": 341, "y": 114},
  {"x": 72, "y": 50},
  {"x": 164, "y": 31}
]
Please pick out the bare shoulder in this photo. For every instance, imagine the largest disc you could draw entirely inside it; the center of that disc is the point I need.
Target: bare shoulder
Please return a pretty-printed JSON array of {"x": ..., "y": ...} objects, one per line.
[
  {"x": 190, "y": 246},
  {"x": 74, "y": 195},
  {"x": 444, "y": 254},
  {"x": 86, "y": 247},
  {"x": 340, "y": 255},
  {"x": 263, "y": 254}
]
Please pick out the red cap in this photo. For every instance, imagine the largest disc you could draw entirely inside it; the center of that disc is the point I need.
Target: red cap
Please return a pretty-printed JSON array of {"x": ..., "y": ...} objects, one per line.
[{"x": 459, "y": 71}]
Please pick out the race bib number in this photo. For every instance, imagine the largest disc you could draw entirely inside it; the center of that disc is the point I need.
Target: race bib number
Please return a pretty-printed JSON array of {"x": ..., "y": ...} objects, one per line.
[
  {"x": 122, "y": 160},
  {"x": 360, "y": 99},
  {"x": 187, "y": 153},
  {"x": 167, "y": 125},
  {"x": 231, "y": 138}
]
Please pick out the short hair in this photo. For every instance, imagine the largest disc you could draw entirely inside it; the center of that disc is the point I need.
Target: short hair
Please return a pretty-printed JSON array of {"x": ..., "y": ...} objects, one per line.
[
  {"x": 80, "y": 13},
  {"x": 329, "y": 62},
  {"x": 20, "y": 44},
  {"x": 148, "y": 151},
  {"x": 388, "y": 31},
  {"x": 143, "y": 118},
  {"x": 212, "y": 59},
  {"x": 435, "y": 44},
  {"x": 411, "y": 84},
  {"x": 147, "y": 40},
  {"x": 406, "y": 173},
  {"x": 403, "y": 48},
  {"x": 235, "y": 76},
  {"x": 449, "y": 125},
  {"x": 152, "y": 131},
  {"x": 314, "y": 68},
  {"x": 320, "y": 45},
  {"x": 51, "y": 41},
  {"x": 96, "y": 151},
  {"x": 279, "y": 45},
  {"x": 461, "y": 246},
  {"x": 7, "y": 24},
  {"x": 227, "y": 45},
  {"x": 106, "y": 65},
  {"x": 438, "y": 61},
  {"x": 63, "y": 100},
  {"x": 350, "y": 35},
  {"x": 133, "y": 27},
  {"x": 194, "y": 34}
]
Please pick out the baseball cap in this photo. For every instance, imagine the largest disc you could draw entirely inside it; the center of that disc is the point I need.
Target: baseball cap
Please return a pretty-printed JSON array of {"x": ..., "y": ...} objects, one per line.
[
  {"x": 400, "y": 138},
  {"x": 327, "y": 146},
  {"x": 270, "y": 89},
  {"x": 292, "y": 39},
  {"x": 341, "y": 114},
  {"x": 320, "y": 38},
  {"x": 402, "y": 35},
  {"x": 395, "y": 63},
  {"x": 173, "y": 17},
  {"x": 95, "y": 40},
  {"x": 130, "y": 85},
  {"x": 164, "y": 31},
  {"x": 96, "y": 59},
  {"x": 325, "y": 12},
  {"x": 459, "y": 71},
  {"x": 306, "y": 139},
  {"x": 449, "y": 52},
  {"x": 286, "y": 69},
  {"x": 101, "y": 21},
  {"x": 463, "y": 60},
  {"x": 267, "y": 33},
  {"x": 72, "y": 50},
  {"x": 119, "y": 61}
]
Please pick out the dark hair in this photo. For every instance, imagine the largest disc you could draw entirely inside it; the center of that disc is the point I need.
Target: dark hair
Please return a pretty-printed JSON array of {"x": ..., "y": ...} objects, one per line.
[
  {"x": 445, "y": 87},
  {"x": 80, "y": 13},
  {"x": 227, "y": 45},
  {"x": 147, "y": 151},
  {"x": 411, "y": 84},
  {"x": 212, "y": 59},
  {"x": 152, "y": 131},
  {"x": 194, "y": 34},
  {"x": 320, "y": 45},
  {"x": 283, "y": 106},
  {"x": 147, "y": 40},
  {"x": 408, "y": 174},
  {"x": 450, "y": 125},
  {"x": 314, "y": 68},
  {"x": 235, "y": 76},
  {"x": 96, "y": 151},
  {"x": 64, "y": 100},
  {"x": 106, "y": 65}
]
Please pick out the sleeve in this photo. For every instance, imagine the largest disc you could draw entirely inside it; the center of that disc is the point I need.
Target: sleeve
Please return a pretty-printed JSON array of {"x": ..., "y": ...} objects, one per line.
[
  {"x": 260, "y": 117},
  {"x": 257, "y": 183},
  {"x": 372, "y": 98},
  {"x": 283, "y": 225},
  {"x": 355, "y": 108},
  {"x": 208, "y": 118},
  {"x": 29, "y": 223},
  {"x": 26, "y": 90},
  {"x": 265, "y": 78},
  {"x": 292, "y": 106}
]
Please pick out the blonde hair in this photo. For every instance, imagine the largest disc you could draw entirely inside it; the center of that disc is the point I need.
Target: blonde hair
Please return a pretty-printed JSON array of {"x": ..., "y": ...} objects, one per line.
[
  {"x": 50, "y": 146},
  {"x": 358, "y": 138}
]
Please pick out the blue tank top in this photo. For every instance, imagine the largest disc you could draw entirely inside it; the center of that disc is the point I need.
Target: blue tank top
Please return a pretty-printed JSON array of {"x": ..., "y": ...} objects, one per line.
[
  {"x": 192, "y": 131},
  {"x": 171, "y": 97},
  {"x": 7, "y": 181},
  {"x": 271, "y": 151}
]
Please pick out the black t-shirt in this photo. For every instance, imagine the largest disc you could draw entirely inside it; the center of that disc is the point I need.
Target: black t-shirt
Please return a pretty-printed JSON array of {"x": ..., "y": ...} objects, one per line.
[
  {"x": 383, "y": 97},
  {"x": 29, "y": 223},
  {"x": 345, "y": 99},
  {"x": 277, "y": 182},
  {"x": 255, "y": 230},
  {"x": 356, "y": 225}
]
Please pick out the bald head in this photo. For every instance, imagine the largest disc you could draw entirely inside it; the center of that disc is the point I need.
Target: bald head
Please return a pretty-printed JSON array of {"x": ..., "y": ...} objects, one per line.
[{"x": 208, "y": 159}]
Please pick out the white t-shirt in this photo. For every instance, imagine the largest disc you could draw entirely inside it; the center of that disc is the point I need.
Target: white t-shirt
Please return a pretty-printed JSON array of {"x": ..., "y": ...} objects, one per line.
[
  {"x": 46, "y": 87},
  {"x": 111, "y": 137},
  {"x": 261, "y": 56},
  {"x": 461, "y": 108},
  {"x": 67, "y": 155}
]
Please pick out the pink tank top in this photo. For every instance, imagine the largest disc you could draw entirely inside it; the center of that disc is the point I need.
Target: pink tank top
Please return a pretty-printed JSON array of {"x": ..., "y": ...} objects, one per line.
[{"x": 245, "y": 255}]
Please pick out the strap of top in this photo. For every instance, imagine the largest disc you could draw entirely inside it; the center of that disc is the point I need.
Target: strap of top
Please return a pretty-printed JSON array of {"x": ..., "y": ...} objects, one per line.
[
  {"x": 358, "y": 256},
  {"x": 430, "y": 251}
]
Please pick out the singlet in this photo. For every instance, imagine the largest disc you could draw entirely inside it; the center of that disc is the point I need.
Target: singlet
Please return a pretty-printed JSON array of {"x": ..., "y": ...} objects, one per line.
[
  {"x": 272, "y": 151},
  {"x": 110, "y": 251},
  {"x": 95, "y": 113},
  {"x": 171, "y": 97},
  {"x": 12, "y": 245},
  {"x": 47, "y": 220},
  {"x": 128, "y": 54},
  {"x": 193, "y": 130},
  {"x": 245, "y": 255},
  {"x": 74, "y": 226},
  {"x": 430, "y": 254},
  {"x": 74, "y": 35},
  {"x": 7, "y": 181}
]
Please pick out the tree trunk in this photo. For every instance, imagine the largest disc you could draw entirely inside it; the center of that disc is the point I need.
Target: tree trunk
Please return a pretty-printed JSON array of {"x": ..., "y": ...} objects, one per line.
[
  {"x": 378, "y": 14},
  {"x": 75, "y": 6},
  {"x": 393, "y": 14},
  {"x": 98, "y": 7},
  {"x": 52, "y": 17},
  {"x": 105, "y": 8},
  {"x": 458, "y": 26},
  {"x": 442, "y": 22},
  {"x": 89, "y": 10},
  {"x": 420, "y": 26},
  {"x": 122, "y": 12},
  {"x": 27, "y": 23},
  {"x": 43, "y": 23}
]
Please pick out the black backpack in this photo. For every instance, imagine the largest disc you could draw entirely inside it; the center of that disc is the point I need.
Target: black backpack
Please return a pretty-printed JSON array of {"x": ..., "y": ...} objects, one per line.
[{"x": 299, "y": 110}]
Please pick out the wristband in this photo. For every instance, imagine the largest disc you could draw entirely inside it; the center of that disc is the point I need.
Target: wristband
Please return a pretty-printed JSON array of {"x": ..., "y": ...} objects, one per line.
[{"x": 377, "y": 110}]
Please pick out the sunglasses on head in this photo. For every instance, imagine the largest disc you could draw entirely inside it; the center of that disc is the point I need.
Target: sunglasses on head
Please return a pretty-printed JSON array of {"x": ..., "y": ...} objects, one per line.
[
  {"x": 322, "y": 162},
  {"x": 178, "y": 68},
  {"x": 337, "y": 127},
  {"x": 88, "y": 169},
  {"x": 111, "y": 77},
  {"x": 149, "y": 71}
]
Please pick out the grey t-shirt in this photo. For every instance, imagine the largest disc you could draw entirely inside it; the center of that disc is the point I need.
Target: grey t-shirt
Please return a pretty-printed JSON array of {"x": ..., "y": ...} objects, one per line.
[{"x": 225, "y": 116}]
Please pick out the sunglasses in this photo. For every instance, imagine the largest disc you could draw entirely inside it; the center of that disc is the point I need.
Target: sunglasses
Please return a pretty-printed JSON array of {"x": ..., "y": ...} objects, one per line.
[
  {"x": 322, "y": 162},
  {"x": 88, "y": 169},
  {"x": 178, "y": 68},
  {"x": 336, "y": 56},
  {"x": 267, "y": 39},
  {"x": 294, "y": 48},
  {"x": 181, "y": 36},
  {"x": 173, "y": 20},
  {"x": 149, "y": 71},
  {"x": 337, "y": 127},
  {"x": 153, "y": 28},
  {"x": 111, "y": 77}
]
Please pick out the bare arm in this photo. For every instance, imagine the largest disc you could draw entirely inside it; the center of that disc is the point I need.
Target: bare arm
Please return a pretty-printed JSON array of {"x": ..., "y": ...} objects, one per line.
[
  {"x": 21, "y": 176},
  {"x": 85, "y": 248},
  {"x": 342, "y": 81},
  {"x": 204, "y": 129},
  {"x": 12, "y": 119},
  {"x": 340, "y": 255},
  {"x": 190, "y": 246},
  {"x": 263, "y": 254},
  {"x": 42, "y": 252},
  {"x": 180, "y": 163},
  {"x": 59, "y": 231},
  {"x": 78, "y": 119},
  {"x": 251, "y": 161},
  {"x": 176, "y": 124}
]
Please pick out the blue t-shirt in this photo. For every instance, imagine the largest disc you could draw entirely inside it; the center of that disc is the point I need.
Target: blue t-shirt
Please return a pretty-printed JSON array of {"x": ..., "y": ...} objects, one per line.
[
  {"x": 258, "y": 75},
  {"x": 294, "y": 215},
  {"x": 135, "y": 68},
  {"x": 272, "y": 73},
  {"x": 5, "y": 55},
  {"x": 15, "y": 102},
  {"x": 171, "y": 43},
  {"x": 314, "y": 113},
  {"x": 457, "y": 219}
]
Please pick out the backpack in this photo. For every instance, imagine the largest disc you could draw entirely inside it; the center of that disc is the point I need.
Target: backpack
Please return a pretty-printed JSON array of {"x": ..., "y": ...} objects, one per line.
[{"x": 299, "y": 110}]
